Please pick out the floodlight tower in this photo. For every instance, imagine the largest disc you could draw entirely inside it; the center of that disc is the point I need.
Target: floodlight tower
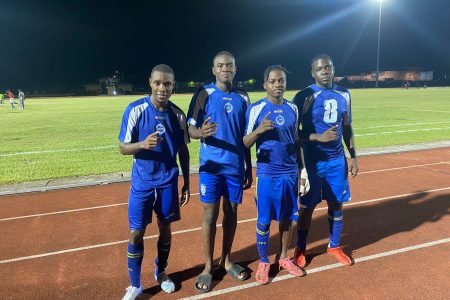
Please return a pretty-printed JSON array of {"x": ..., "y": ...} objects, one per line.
[{"x": 378, "y": 48}]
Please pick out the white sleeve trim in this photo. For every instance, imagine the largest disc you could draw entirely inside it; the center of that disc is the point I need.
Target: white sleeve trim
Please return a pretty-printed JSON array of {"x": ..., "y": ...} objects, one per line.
[
  {"x": 134, "y": 115},
  {"x": 253, "y": 116}
]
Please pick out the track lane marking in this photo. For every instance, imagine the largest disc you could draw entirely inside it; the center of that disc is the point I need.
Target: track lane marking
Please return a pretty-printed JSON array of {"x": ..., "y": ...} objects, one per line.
[
  {"x": 321, "y": 269},
  {"x": 193, "y": 229},
  {"x": 194, "y": 194}
]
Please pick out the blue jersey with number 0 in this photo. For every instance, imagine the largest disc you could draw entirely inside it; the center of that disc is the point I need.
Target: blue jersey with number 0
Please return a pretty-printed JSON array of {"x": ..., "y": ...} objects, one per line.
[{"x": 325, "y": 108}]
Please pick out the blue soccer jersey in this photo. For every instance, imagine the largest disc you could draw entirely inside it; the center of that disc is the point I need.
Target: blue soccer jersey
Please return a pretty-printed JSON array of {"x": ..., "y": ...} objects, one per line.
[
  {"x": 155, "y": 168},
  {"x": 320, "y": 109},
  {"x": 275, "y": 149},
  {"x": 222, "y": 153}
]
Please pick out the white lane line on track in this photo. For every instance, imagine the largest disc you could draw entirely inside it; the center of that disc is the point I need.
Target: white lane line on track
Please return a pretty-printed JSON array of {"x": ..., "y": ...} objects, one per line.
[
  {"x": 73, "y": 210},
  {"x": 194, "y": 194},
  {"x": 321, "y": 269},
  {"x": 62, "y": 212},
  {"x": 195, "y": 229},
  {"x": 407, "y": 167}
]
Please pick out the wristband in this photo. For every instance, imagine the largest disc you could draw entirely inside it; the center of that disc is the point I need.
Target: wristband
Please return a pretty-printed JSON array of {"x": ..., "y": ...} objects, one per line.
[{"x": 352, "y": 152}]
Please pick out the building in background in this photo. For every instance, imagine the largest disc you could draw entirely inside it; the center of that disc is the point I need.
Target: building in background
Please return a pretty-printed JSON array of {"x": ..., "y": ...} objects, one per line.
[
  {"x": 389, "y": 78},
  {"x": 111, "y": 85}
]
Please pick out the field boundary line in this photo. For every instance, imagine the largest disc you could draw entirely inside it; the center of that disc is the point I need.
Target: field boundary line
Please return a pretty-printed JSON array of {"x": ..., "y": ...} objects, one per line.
[
  {"x": 58, "y": 150},
  {"x": 196, "y": 229},
  {"x": 400, "y": 125},
  {"x": 91, "y": 180},
  {"x": 400, "y": 131}
]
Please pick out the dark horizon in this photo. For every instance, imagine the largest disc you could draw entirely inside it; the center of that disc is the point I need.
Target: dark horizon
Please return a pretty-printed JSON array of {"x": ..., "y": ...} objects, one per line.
[{"x": 50, "y": 43}]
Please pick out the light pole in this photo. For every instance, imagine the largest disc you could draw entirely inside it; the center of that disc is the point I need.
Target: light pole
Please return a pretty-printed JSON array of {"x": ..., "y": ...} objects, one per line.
[{"x": 378, "y": 48}]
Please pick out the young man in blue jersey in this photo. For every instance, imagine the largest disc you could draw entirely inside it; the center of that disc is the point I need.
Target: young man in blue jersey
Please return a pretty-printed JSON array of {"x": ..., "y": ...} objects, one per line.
[
  {"x": 154, "y": 131},
  {"x": 326, "y": 119},
  {"x": 217, "y": 117},
  {"x": 272, "y": 123}
]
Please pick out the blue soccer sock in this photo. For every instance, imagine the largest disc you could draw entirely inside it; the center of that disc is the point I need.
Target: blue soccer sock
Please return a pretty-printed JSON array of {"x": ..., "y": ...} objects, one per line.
[
  {"x": 163, "y": 256},
  {"x": 302, "y": 236},
  {"x": 135, "y": 256},
  {"x": 262, "y": 241},
  {"x": 335, "y": 225}
]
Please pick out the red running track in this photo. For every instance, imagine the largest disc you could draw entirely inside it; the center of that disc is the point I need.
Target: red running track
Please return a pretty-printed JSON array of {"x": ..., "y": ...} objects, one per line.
[{"x": 71, "y": 244}]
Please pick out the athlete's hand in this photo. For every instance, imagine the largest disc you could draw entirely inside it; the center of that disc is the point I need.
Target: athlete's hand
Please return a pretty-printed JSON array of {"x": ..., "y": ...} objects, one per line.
[
  {"x": 151, "y": 141},
  {"x": 265, "y": 125},
  {"x": 304, "y": 183},
  {"x": 185, "y": 195},
  {"x": 329, "y": 135},
  {"x": 248, "y": 179},
  {"x": 353, "y": 167},
  {"x": 208, "y": 129}
]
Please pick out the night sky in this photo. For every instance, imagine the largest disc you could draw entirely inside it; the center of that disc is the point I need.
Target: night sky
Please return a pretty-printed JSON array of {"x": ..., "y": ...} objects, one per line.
[{"x": 68, "y": 43}]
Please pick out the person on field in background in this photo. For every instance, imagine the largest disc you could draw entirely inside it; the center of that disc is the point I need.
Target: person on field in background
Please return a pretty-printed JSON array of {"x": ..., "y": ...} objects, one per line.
[
  {"x": 325, "y": 111},
  {"x": 272, "y": 123},
  {"x": 154, "y": 131},
  {"x": 11, "y": 98},
  {"x": 21, "y": 99},
  {"x": 217, "y": 117}
]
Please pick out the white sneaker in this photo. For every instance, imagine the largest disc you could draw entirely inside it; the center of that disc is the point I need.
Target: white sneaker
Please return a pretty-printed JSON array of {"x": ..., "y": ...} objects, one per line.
[
  {"x": 132, "y": 293},
  {"x": 165, "y": 282}
]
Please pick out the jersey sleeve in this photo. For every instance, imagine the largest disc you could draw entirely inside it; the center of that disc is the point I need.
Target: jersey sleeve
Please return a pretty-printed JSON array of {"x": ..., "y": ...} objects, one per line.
[
  {"x": 244, "y": 95},
  {"x": 196, "y": 112},
  {"x": 247, "y": 119},
  {"x": 181, "y": 118},
  {"x": 297, "y": 124},
  {"x": 128, "y": 132},
  {"x": 348, "y": 114},
  {"x": 252, "y": 116}
]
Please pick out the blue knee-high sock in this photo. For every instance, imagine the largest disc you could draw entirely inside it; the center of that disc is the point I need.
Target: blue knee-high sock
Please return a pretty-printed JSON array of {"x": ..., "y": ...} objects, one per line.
[
  {"x": 135, "y": 256},
  {"x": 262, "y": 241},
  {"x": 335, "y": 225},
  {"x": 163, "y": 256},
  {"x": 302, "y": 236}
]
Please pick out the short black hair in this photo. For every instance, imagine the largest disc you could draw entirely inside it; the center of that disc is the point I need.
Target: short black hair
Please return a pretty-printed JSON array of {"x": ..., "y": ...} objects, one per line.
[
  {"x": 162, "y": 68},
  {"x": 274, "y": 67},
  {"x": 318, "y": 57},
  {"x": 223, "y": 53}
]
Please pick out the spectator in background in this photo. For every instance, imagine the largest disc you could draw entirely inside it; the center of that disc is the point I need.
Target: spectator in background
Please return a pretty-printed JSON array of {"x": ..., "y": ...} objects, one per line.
[{"x": 21, "y": 99}]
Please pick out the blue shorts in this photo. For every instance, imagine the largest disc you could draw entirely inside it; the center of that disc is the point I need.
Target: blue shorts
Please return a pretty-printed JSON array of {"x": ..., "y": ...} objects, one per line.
[
  {"x": 214, "y": 186},
  {"x": 328, "y": 180},
  {"x": 276, "y": 198},
  {"x": 142, "y": 202}
]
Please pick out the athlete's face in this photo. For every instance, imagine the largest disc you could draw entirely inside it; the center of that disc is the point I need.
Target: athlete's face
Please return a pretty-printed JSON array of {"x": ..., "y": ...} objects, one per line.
[
  {"x": 162, "y": 85},
  {"x": 275, "y": 84},
  {"x": 224, "y": 69},
  {"x": 323, "y": 72}
]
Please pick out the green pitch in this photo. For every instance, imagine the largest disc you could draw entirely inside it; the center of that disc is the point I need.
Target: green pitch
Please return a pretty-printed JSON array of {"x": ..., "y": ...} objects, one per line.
[{"x": 64, "y": 137}]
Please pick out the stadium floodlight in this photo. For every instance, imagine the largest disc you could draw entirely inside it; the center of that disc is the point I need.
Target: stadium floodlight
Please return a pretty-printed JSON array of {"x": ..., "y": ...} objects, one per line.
[{"x": 378, "y": 48}]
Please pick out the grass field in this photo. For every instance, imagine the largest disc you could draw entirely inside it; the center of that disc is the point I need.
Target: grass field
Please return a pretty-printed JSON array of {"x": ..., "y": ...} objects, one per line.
[{"x": 64, "y": 137}]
